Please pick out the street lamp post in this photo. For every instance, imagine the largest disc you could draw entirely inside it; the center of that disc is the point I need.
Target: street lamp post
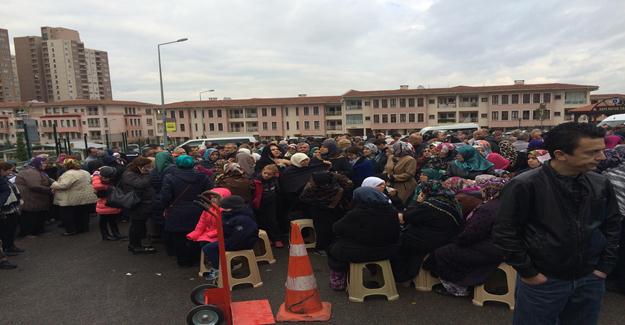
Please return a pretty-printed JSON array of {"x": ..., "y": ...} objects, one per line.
[
  {"x": 204, "y": 125},
  {"x": 160, "y": 75}
]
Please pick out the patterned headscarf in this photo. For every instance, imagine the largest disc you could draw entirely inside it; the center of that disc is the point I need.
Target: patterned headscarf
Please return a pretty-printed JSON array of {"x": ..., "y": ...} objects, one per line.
[
  {"x": 372, "y": 147},
  {"x": 484, "y": 145},
  {"x": 613, "y": 158},
  {"x": 445, "y": 148},
  {"x": 432, "y": 174},
  {"x": 433, "y": 188},
  {"x": 507, "y": 150},
  {"x": 483, "y": 178},
  {"x": 442, "y": 199},
  {"x": 459, "y": 185},
  {"x": 233, "y": 169},
  {"x": 401, "y": 149},
  {"x": 491, "y": 187},
  {"x": 178, "y": 152}
]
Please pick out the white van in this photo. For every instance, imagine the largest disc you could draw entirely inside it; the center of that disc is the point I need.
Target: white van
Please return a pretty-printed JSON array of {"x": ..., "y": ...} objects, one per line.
[
  {"x": 613, "y": 120},
  {"x": 220, "y": 141},
  {"x": 471, "y": 127}
]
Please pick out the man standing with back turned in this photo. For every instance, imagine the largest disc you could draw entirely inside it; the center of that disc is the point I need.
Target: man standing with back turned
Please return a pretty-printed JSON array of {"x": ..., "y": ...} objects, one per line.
[{"x": 559, "y": 227}]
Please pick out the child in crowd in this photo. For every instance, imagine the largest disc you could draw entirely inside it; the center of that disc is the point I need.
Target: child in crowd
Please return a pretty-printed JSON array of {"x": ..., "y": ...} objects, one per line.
[{"x": 265, "y": 203}]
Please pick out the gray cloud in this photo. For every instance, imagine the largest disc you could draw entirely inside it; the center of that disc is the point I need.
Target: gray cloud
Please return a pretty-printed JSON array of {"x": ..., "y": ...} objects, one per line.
[{"x": 283, "y": 48}]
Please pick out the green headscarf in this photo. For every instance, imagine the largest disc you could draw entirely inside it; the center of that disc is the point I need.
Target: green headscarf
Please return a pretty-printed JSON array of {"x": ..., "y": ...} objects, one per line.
[
  {"x": 432, "y": 174},
  {"x": 473, "y": 161},
  {"x": 185, "y": 162},
  {"x": 162, "y": 161}
]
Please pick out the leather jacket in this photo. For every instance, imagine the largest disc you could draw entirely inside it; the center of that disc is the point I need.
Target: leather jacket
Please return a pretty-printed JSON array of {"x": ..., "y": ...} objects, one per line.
[{"x": 538, "y": 232}]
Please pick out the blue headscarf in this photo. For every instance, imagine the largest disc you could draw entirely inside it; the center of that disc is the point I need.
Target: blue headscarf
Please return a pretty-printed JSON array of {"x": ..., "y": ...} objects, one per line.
[
  {"x": 207, "y": 153},
  {"x": 369, "y": 195},
  {"x": 184, "y": 162},
  {"x": 473, "y": 161}
]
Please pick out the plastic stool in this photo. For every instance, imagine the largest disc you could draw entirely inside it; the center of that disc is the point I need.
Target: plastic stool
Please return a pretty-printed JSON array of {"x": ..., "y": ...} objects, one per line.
[
  {"x": 480, "y": 294},
  {"x": 253, "y": 278},
  {"x": 311, "y": 239},
  {"x": 424, "y": 280},
  {"x": 357, "y": 290},
  {"x": 263, "y": 245}
]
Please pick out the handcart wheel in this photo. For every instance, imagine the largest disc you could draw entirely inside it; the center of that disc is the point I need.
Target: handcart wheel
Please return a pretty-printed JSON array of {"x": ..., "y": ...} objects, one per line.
[
  {"x": 197, "y": 295},
  {"x": 205, "y": 315}
]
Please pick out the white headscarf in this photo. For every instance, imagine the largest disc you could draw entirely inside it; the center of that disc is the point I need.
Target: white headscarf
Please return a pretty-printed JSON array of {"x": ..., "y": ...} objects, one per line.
[
  {"x": 372, "y": 182},
  {"x": 297, "y": 159}
]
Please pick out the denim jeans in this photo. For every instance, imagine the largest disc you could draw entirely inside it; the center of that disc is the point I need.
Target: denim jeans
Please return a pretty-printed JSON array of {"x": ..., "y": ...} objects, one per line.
[
  {"x": 211, "y": 252},
  {"x": 563, "y": 302}
]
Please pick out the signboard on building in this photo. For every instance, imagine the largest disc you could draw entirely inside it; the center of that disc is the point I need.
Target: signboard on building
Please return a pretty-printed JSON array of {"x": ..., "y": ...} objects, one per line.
[{"x": 170, "y": 125}]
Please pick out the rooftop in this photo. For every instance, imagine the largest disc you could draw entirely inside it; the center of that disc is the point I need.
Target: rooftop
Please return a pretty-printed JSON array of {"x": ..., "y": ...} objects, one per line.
[{"x": 303, "y": 100}]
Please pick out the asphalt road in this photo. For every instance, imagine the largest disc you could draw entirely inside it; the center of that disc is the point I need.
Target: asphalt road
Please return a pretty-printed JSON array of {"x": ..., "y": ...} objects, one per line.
[{"x": 83, "y": 280}]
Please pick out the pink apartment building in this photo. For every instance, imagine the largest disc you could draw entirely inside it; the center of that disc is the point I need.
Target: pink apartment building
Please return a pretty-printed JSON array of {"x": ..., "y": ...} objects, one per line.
[{"x": 356, "y": 112}]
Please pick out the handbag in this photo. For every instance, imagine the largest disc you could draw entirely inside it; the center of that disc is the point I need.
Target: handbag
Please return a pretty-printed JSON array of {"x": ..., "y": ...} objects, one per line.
[
  {"x": 166, "y": 211},
  {"x": 118, "y": 199}
]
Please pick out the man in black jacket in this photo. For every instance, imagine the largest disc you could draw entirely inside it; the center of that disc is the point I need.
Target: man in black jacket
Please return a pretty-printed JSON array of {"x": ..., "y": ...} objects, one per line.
[{"x": 559, "y": 227}]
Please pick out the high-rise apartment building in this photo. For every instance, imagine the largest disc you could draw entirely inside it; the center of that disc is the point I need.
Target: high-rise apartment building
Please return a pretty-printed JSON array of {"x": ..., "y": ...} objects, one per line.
[
  {"x": 68, "y": 70},
  {"x": 16, "y": 79},
  {"x": 8, "y": 88}
]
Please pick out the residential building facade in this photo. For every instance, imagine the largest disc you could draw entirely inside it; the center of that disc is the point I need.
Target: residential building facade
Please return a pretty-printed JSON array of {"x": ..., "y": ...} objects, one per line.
[{"x": 9, "y": 89}]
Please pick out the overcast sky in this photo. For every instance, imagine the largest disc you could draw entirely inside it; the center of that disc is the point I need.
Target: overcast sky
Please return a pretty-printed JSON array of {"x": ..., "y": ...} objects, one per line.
[{"x": 275, "y": 48}]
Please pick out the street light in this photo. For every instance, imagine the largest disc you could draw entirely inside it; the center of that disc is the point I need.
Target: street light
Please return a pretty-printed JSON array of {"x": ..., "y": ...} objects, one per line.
[
  {"x": 160, "y": 75},
  {"x": 204, "y": 125}
]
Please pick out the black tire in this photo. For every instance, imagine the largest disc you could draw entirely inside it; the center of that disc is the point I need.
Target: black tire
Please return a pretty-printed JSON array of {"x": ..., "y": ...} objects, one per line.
[
  {"x": 197, "y": 294},
  {"x": 205, "y": 315}
]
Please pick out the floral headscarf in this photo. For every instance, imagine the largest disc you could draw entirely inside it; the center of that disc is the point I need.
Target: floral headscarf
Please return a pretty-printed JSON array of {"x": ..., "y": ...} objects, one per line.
[
  {"x": 459, "y": 184},
  {"x": 613, "y": 158},
  {"x": 442, "y": 199},
  {"x": 372, "y": 147},
  {"x": 401, "y": 149},
  {"x": 233, "y": 169},
  {"x": 445, "y": 148},
  {"x": 432, "y": 174},
  {"x": 491, "y": 187},
  {"x": 507, "y": 150},
  {"x": 484, "y": 145}
]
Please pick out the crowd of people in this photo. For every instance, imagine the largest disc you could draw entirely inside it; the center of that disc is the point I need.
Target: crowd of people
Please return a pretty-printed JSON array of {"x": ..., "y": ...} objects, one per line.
[{"x": 455, "y": 204}]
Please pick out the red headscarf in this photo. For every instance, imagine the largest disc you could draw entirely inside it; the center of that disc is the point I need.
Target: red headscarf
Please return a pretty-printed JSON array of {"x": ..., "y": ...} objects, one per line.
[
  {"x": 498, "y": 160},
  {"x": 612, "y": 141}
]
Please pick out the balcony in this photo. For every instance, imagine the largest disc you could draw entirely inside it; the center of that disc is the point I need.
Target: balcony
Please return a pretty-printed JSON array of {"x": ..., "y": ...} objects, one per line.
[
  {"x": 334, "y": 113},
  {"x": 353, "y": 107},
  {"x": 450, "y": 105},
  {"x": 334, "y": 127},
  {"x": 469, "y": 104},
  {"x": 252, "y": 129}
]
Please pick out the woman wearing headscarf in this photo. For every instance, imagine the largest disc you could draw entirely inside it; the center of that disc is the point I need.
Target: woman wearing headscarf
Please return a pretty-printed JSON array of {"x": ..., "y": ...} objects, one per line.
[
  {"x": 536, "y": 158},
  {"x": 472, "y": 257},
  {"x": 432, "y": 223},
  {"x": 507, "y": 151},
  {"x": 180, "y": 188},
  {"x": 469, "y": 163},
  {"x": 210, "y": 157},
  {"x": 443, "y": 154},
  {"x": 324, "y": 201},
  {"x": 498, "y": 161},
  {"x": 10, "y": 201},
  {"x": 271, "y": 154},
  {"x": 401, "y": 169},
  {"x": 369, "y": 151},
  {"x": 612, "y": 141},
  {"x": 362, "y": 166},
  {"x": 75, "y": 196},
  {"x": 246, "y": 161},
  {"x": 330, "y": 152},
  {"x": 34, "y": 185},
  {"x": 136, "y": 179},
  {"x": 163, "y": 165},
  {"x": 369, "y": 232},
  {"x": 234, "y": 180},
  {"x": 380, "y": 185}
]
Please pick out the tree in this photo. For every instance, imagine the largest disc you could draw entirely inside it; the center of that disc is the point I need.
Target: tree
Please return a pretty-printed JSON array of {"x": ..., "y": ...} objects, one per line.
[{"x": 21, "y": 154}]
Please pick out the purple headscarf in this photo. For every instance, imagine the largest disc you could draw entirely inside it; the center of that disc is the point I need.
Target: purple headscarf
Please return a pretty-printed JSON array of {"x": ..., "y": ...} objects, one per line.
[
  {"x": 535, "y": 144},
  {"x": 37, "y": 162}
]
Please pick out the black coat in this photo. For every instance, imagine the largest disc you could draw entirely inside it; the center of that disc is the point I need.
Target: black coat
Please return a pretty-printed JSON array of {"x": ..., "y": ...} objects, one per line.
[
  {"x": 366, "y": 233},
  {"x": 472, "y": 257},
  {"x": 546, "y": 226},
  {"x": 140, "y": 183},
  {"x": 180, "y": 188},
  {"x": 156, "y": 181},
  {"x": 240, "y": 229},
  {"x": 428, "y": 228}
]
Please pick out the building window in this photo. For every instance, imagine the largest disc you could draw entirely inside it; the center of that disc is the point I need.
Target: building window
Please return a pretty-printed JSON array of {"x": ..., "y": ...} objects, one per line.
[
  {"x": 288, "y": 125},
  {"x": 376, "y": 103},
  {"x": 410, "y": 102},
  {"x": 273, "y": 111},
  {"x": 447, "y": 117},
  {"x": 393, "y": 118},
  {"x": 306, "y": 125},
  {"x": 317, "y": 125},
  {"x": 484, "y": 99},
  {"x": 526, "y": 98},
  {"x": 210, "y": 113},
  {"x": 220, "y": 127},
  {"x": 574, "y": 97},
  {"x": 211, "y": 127},
  {"x": 263, "y": 111},
  {"x": 297, "y": 125},
  {"x": 504, "y": 99},
  {"x": 420, "y": 117},
  {"x": 353, "y": 118},
  {"x": 420, "y": 102},
  {"x": 547, "y": 97},
  {"x": 514, "y": 115},
  {"x": 557, "y": 114},
  {"x": 515, "y": 98},
  {"x": 526, "y": 115},
  {"x": 392, "y": 104},
  {"x": 494, "y": 99},
  {"x": 195, "y": 114},
  {"x": 286, "y": 111},
  {"x": 149, "y": 122},
  {"x": 384, "y": 118},
  {"x": 376, "y": 118},
  {"x": 484, "y": 115},
  {"x": 411, "y": 117},
  {"x": 536, "y": 98},
  {"x": 296, "y": 111},
  {"x": 306, "y": 112},
  {"x": 402, "y": 118},
  {"x": 504, "y": 116},
  {"x": 181, "y": 114},
  {"x": 265, "y": 126},
  {"x": 558, "y": 97},
  {"x": 432, "y": 117},
  {"x": 384, "y": 103},
  {"x": 316, "y": 110},
  {"x": 402, "y": 102},
  {"x": 181, "y": 127},
  {"x": 494, "y": 116},
  {"x": 148, "y": 111},
  {"x": 274, "y": 126},
  {"x": 219, "y": 113}
]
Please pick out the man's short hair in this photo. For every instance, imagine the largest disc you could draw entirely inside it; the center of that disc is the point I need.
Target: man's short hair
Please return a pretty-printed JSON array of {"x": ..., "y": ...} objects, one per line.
[
  {"x": 566, "y": 136},
  {"x": 378, "y": 142}
]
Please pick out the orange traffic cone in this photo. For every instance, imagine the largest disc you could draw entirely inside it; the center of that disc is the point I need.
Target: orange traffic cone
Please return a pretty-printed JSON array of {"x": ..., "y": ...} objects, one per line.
[{"x": 302, "y": 301}]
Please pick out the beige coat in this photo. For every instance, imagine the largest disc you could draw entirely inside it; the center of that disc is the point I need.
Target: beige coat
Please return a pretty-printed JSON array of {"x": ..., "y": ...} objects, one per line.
[
  {"x": 74, "y": 188},
  {"x": 403, "y": 172}
]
